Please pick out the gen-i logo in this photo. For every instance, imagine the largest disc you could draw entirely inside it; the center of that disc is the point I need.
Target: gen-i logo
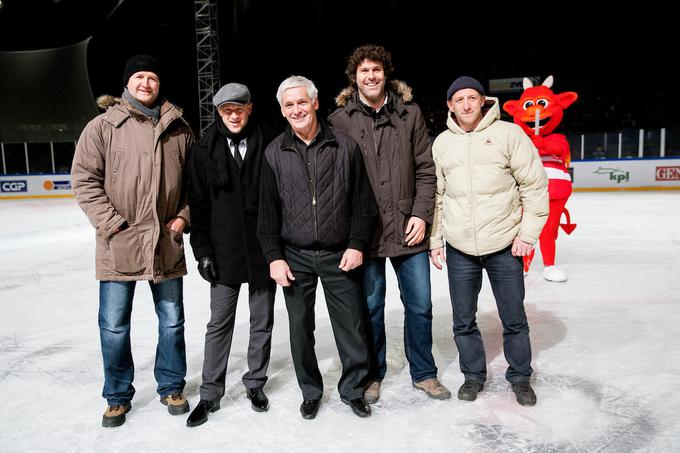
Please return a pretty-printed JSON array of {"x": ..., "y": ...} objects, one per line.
[
  {"x": 14, "y": 186},
  {"x": 615, "y": 174}
]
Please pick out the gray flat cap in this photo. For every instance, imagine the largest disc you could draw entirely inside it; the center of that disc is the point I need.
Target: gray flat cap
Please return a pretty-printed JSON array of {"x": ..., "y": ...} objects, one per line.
[{"x": 234, "y": 93}]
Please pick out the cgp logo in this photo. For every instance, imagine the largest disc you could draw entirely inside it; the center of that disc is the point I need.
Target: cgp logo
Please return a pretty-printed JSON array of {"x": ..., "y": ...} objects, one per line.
[{"x": 14, "y": 186}]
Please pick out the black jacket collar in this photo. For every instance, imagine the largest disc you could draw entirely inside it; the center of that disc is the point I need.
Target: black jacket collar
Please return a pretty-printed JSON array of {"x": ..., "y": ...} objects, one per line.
[
  {"x": 395, "y": 103},
  {"x": 325, "y": 135}
]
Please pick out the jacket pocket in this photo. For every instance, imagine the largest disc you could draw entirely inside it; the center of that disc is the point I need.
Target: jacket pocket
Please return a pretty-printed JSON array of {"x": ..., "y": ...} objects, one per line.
[
  {"x": 172, "y": 250},
  {"x": 125, "y": 252},
  {"x": 405, "y": 207}
]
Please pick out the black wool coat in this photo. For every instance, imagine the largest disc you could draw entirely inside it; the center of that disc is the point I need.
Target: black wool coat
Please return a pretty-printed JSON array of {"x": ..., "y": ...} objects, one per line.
[{"x": 223, "y": 201}]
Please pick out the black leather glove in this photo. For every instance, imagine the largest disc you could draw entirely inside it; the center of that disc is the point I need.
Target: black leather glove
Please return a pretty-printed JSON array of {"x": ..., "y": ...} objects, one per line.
[{"x": 207, "y": 269}]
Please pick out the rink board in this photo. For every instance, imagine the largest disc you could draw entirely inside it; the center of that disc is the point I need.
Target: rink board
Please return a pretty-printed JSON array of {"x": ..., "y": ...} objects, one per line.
[{"x": 629, "y": 174}]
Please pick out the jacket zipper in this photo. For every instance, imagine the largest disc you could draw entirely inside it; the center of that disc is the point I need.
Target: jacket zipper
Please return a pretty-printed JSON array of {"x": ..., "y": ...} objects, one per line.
[
  {"x": 314, "y": 210},
  {"x": 472, "y": 195},
  {"x": 312, "y": 187}
]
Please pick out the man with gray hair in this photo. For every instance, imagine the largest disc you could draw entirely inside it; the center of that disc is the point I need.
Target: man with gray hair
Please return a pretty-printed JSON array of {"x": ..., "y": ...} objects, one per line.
[
  {"x": 317, "y": 213},
  {"x": 224, "y": 168}
]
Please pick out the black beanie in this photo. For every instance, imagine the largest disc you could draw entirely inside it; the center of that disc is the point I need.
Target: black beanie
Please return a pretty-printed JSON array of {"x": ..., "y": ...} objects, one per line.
[
  {"x": 463, "y": 82},
  {"x": 141, "y": 63}
]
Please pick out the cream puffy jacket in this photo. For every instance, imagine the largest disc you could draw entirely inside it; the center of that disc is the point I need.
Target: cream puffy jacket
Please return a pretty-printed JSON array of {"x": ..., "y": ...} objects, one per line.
[{"x": 491, "y": 186}]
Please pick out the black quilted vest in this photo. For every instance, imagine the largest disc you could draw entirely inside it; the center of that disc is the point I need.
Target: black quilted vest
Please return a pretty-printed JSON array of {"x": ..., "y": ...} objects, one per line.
[{"x": 315, "y": 214}]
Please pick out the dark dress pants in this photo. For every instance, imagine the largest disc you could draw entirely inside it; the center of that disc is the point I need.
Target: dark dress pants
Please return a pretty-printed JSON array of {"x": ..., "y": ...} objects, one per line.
[{"x": 343, "y": 295}]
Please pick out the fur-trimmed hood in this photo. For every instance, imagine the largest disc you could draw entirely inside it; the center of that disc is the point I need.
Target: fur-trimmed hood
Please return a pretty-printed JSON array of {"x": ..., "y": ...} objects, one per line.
[
  {"x": 399, "y": 87},
  {"x": 105, "y": 101}
]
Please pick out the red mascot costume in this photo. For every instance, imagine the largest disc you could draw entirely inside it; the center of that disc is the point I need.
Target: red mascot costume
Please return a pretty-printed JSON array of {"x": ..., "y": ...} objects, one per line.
[{"x": 538, "y": 111}]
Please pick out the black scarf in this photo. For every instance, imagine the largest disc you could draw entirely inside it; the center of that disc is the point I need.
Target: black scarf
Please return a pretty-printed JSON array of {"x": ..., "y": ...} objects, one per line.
[
  {"x": 235, "y": 137},
  {"x": 249, "y": 173}
]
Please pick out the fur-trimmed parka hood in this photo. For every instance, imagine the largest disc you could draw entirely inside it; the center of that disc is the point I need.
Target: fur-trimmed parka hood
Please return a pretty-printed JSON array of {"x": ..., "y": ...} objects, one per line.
[
  {"x": 117, "y": 109},
  {"x": 399, "y": 87},
  {"x": 106, "y": 100}
]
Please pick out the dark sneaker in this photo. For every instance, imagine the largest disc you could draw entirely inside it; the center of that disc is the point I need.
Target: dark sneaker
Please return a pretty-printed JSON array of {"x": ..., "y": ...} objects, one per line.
[
  {"x": 200, "y": 414},
  {"x": 469, "y": 390},
  {"x": 433, "y": 388},
  {"x": 372, "y": 392},
  {"x": 176, "y": 403},
  {"x": 358, "y": 406},
  {"x": 309, "y": 408},
  {"x": 115, "y": 415},
  {"x": 258, "y": 400},
  {"x": 524, "y": 393}
]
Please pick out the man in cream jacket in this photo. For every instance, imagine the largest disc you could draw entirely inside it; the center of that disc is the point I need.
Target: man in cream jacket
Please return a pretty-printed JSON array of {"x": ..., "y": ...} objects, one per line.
[{"x": 492, "y": 202}]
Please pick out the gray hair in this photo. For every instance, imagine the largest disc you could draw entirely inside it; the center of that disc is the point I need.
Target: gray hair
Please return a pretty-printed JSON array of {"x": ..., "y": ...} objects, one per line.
[{"x": 294, "y": 82}]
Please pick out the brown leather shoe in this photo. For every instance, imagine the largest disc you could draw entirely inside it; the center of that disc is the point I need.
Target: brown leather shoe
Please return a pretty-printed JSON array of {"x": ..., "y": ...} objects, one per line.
[
  {"x": 433, "y": 388},
  {"x": 115, "y": 415},
  {"x": 372, "y": 392},
  {"x": 176, "y": 403}
]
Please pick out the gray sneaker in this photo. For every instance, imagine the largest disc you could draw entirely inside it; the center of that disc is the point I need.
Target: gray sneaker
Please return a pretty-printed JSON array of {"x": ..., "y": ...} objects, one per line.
[
  {"x": 372, "y": 392},
  {"x": 524, "y": 393},
  {"x": 469, "y": 390},
  {"x": 433, "y": 388}
]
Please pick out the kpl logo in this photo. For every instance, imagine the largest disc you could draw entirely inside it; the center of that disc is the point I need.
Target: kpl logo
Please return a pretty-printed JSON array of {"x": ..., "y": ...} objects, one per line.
[{"x": 615, "y": 174}]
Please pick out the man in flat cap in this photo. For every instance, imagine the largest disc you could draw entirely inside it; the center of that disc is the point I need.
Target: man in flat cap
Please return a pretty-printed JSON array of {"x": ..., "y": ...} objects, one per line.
[
  {"x": 128, "y": 177},
  {"x": 492, "y": 202},
  {"x": 224, "y": 168}
]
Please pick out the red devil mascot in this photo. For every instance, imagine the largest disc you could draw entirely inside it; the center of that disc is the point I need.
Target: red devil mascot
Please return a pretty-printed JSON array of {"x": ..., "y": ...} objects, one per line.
[{"x": 538, "y": 111}]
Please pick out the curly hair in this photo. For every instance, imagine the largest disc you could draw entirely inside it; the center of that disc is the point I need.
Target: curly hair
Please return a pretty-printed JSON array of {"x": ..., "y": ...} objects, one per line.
[{"x": 368, "y": 52}]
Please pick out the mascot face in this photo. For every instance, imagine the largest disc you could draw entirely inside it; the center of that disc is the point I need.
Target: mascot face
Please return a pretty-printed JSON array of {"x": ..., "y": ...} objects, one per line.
[{"x": 542, "y": 102}]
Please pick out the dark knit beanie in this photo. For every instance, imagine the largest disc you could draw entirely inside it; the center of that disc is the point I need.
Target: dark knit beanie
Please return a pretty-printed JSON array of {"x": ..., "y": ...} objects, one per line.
[
  {"x": 461, "y": 83},
  {"x": 141, "y": 63}
]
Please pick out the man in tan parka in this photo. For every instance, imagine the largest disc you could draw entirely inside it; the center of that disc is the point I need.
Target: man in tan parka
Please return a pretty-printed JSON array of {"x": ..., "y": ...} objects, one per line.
[
  {"x": 128, "y": 177},
  {"x": 492, "y": 202}
]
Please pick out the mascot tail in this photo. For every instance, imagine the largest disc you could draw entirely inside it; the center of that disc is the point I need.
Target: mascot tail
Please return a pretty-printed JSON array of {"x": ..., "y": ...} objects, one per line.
[
  {"x": 567, "y": 227},
  {"x": 527, "y": 261}
]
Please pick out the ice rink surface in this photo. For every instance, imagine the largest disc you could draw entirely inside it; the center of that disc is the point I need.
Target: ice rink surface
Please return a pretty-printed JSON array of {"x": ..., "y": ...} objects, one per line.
[{"x": 606, "y": 351}]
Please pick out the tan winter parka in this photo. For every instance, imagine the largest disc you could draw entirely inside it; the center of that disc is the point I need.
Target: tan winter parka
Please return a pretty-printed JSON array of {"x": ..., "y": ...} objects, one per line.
[
  {"x": 129, "y": 171},
  {"x": 491, "y": 186}
]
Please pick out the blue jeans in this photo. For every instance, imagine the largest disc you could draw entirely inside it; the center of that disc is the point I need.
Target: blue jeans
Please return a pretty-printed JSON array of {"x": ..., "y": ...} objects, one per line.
[
  {"x": 507, "y": 283},
  {"x": 413, "y": 276},
  {"x": 115, "y": 308}
]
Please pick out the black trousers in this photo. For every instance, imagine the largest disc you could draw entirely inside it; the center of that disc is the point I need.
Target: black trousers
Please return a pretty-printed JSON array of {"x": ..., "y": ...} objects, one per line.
[{"x": 345, "y": 308}]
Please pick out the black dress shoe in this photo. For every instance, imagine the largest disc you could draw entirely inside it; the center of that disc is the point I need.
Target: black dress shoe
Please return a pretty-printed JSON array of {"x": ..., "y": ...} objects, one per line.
[
  {"x": 358, "y": 405},
  {"x": 200, "y": 414},
  {"x": 258, "y": 400},
  {"x": 309, "y": 408}
]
